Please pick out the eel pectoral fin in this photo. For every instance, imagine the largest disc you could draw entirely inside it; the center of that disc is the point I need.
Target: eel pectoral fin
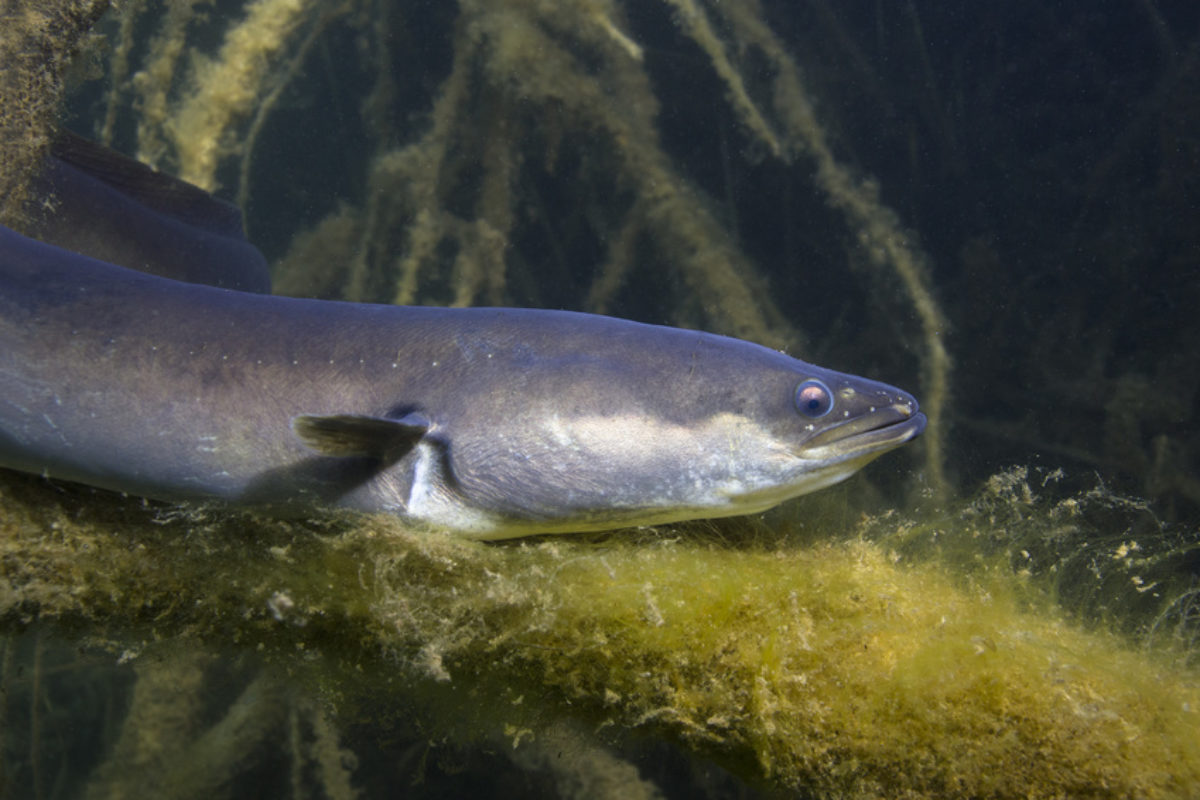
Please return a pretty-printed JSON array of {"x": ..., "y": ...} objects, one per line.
[{"x": 348, "y": 435}]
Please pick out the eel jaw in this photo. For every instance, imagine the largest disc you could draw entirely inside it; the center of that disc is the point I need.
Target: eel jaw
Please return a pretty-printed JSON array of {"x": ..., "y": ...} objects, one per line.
[{"x": 865, "y": 436}]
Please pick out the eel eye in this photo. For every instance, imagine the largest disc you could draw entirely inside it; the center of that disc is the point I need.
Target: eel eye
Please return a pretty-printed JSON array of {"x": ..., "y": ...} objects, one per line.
[{"x": 813, "y": 399}]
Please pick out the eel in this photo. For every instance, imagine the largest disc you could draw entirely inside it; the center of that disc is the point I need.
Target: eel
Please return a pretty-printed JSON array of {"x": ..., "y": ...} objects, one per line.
[{"x": 486, "y": 422}]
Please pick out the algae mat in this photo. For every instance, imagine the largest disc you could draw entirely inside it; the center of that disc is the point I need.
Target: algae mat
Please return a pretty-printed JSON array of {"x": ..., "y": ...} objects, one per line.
[{"x": 839, "y": 669}]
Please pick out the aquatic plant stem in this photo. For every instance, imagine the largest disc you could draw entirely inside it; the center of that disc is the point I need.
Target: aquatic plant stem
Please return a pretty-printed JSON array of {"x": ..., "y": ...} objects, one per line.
[{"x": 227, "y": 88}]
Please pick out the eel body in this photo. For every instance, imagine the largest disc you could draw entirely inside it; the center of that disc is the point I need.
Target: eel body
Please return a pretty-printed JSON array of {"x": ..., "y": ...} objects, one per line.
[{"x": 489, "y": 422}]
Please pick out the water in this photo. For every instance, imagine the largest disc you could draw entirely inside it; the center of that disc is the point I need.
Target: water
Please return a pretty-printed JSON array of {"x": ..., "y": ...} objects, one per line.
[{"x": 993, "y": 208}]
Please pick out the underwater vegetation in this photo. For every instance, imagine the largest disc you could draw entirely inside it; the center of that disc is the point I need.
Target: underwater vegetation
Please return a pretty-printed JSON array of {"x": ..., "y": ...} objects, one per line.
[
  {"x": 885, "y": 187},
  {"x": 857, "y": 666}
]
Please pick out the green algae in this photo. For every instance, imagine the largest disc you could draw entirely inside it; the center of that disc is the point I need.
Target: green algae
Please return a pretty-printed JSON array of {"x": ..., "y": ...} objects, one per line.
[
  {"x": 843, "y": 668},
  {"x": 39, "y": 42}
]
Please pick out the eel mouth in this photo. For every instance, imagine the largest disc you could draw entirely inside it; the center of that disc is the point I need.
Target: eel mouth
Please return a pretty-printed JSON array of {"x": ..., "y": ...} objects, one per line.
[{"x": 871, "y": 433}]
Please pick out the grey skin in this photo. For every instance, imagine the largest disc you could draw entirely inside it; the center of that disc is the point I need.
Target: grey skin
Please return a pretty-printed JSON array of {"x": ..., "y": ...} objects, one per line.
[{"x": 487, "y": 422}]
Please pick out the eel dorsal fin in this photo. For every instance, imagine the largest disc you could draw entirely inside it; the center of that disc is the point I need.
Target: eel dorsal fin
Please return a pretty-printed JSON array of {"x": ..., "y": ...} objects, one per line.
[
  {"x": 99, "y": 203},
  {"x": 155, "y": 190}
]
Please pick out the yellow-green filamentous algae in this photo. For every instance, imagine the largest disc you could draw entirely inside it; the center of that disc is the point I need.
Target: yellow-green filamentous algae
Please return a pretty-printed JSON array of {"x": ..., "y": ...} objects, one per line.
[{"x": 840, "y": 668}]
